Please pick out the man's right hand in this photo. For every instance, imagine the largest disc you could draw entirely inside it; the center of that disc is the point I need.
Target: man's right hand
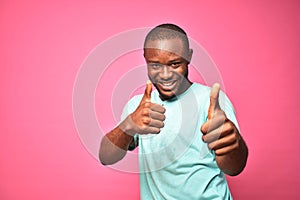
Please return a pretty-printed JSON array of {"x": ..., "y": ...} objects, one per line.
[{"x": 147, "y": 118}]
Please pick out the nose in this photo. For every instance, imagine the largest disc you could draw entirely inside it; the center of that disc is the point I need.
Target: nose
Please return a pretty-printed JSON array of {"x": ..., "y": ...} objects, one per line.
[{"x": 165, "y": 73}]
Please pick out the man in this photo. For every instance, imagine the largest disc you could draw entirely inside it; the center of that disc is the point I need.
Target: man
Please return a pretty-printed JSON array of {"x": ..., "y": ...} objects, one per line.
[{"x": 187, "y": 133}]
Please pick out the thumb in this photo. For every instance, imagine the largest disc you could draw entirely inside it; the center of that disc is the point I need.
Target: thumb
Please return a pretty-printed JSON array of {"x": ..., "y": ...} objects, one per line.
[
  {"x": 148, "y": 90},
  {"x": 214, "y": 100}
]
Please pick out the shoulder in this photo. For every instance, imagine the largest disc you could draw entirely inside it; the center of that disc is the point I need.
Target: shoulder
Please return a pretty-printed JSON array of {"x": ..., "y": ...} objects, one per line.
[
  {"x": 200, "y": 88},
  {"x": 201, "y": 92},
  {"x": 135, "y": 100},
  {"x": 204, "y": 92},
  {"x": 131, "y": 105}
]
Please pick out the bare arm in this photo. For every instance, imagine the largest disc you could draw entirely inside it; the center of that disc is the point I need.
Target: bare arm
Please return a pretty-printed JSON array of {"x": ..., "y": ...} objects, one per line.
[
  {"x": 222, "y": 136},
  {"x": 114, "y": 145}
]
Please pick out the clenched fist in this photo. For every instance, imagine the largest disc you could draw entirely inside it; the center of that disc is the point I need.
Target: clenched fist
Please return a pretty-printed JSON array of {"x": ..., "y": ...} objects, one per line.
[
  {"x": 148, "y": 118},
  {"x": 220, "y": 134}
]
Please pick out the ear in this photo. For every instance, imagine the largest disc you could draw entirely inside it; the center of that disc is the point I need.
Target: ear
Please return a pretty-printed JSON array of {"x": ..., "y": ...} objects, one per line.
[{"x": 190, "y": 54}]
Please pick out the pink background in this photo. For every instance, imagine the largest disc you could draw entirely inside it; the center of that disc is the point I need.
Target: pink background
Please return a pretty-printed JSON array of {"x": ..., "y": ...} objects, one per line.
[{"x": 255, "y": 45}]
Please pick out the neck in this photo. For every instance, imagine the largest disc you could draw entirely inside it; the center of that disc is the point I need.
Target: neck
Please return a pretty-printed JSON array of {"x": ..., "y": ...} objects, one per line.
[{"x": 185, "y": 86}]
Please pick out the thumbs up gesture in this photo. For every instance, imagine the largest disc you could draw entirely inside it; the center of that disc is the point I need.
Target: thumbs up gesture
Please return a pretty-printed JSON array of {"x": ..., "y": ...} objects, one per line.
[
  {"x": 148, "y": 117},
  {"x": 219, "y": 132}
]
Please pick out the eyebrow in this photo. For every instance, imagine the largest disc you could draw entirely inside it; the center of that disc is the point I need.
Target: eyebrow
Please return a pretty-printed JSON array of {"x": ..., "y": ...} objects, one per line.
[
  {"x": 175, "y": 60},
  {"x": 169, "y": 62},
  {"x": 152, "y": 61}
]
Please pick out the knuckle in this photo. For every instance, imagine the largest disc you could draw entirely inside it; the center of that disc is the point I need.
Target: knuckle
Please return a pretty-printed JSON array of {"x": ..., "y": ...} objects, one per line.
[
  {"x": 204, "y": 138},
  {"x": 211, "y": 146},
  {"x": 233, "y": 139},
  {"x": 223, "y": 117},
  {"x": 145, "y": 112},
  {"x": 143, "y": 127},
  {"x": 147, "y": 104},
  {"x": 219, "y": 131},
  {"x": 229, "y": 127},
  {"x": 237, "y": 145},
  {"x": 146, "y": 120},
  {"x": 202, "y": 129},
  {"x": 218, "y": 152},
  {"x": 155, "y": 130},
  {"x": 226, "y": 127}
]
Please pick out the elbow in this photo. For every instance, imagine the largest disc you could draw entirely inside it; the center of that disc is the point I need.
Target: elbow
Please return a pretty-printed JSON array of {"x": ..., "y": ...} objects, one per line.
[
  {"x": 103, "y": 154},
  {"x": 110, "y": 154},
  {"x": 102, "y": 160},
  {"x": 110, "y": 157},
  {"x": 105, "y": 160},
  {"x": 105, "y": 163}
]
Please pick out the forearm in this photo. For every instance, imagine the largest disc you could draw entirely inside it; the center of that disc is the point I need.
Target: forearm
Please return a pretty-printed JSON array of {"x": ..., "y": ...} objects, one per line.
[
  {"x": 235, "y": 161},
  {"x": 114, "y": 145}
]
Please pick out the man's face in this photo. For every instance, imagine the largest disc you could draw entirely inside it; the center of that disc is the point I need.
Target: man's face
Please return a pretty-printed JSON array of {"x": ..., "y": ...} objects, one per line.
[{"x": 167, "y": 66}]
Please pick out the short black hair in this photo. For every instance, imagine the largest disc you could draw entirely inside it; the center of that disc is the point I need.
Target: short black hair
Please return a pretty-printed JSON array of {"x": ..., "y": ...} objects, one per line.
[{"x": 167, "y": 31}]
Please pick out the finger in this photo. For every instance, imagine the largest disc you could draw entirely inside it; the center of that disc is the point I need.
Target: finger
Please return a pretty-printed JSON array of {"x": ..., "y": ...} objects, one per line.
[
  {"x": 152, "y": 130},
  {"x": 216, "y": 134},
  {"x": 148, "y": 90},
  {"x": 151, "y": 108},
  {"x": 214, "y": 100},
  {"x": 158, "y": 108},
  {"x": 157, "y": 115},
  {"x": 211, "y": 124},
  {"x": 223, "y": 142},
  {"x": 227, "y": 149},
  {"x": 156, "y": 123}
]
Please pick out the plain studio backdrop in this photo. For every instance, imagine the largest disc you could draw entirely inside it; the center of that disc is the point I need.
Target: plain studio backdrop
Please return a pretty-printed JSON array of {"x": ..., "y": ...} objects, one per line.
[{"x": 254, "y": 44}]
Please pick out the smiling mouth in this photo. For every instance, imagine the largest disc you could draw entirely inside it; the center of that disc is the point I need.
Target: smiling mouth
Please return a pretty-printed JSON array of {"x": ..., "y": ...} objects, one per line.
[{"x": 167, "y": 85}]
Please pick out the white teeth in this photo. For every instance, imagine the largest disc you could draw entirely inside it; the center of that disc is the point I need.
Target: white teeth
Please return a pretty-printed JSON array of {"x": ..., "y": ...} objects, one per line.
[{"x": 167, "y": 83}]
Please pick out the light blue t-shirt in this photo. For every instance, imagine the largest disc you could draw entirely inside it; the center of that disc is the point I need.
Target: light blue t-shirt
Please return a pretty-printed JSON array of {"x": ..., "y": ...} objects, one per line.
[{"x": 176, "y": 163}]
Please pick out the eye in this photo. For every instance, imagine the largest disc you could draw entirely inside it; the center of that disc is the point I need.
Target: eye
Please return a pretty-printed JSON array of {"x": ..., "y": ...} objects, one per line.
[
  {"x": 175, "y": 64},
  {"x": 155, "y": 65}
]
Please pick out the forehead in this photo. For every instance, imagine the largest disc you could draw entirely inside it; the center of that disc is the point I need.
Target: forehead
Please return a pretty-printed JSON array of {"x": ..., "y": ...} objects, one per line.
[{"x": 170, "y": 47}]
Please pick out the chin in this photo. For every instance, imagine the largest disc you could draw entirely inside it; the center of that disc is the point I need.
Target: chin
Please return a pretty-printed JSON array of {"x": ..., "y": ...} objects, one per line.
[{"x": 166, "y": 95}]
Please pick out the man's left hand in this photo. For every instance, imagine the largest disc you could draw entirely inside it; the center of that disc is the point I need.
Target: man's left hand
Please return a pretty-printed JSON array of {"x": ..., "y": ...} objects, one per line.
[{"x": 219, "y": 132}]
